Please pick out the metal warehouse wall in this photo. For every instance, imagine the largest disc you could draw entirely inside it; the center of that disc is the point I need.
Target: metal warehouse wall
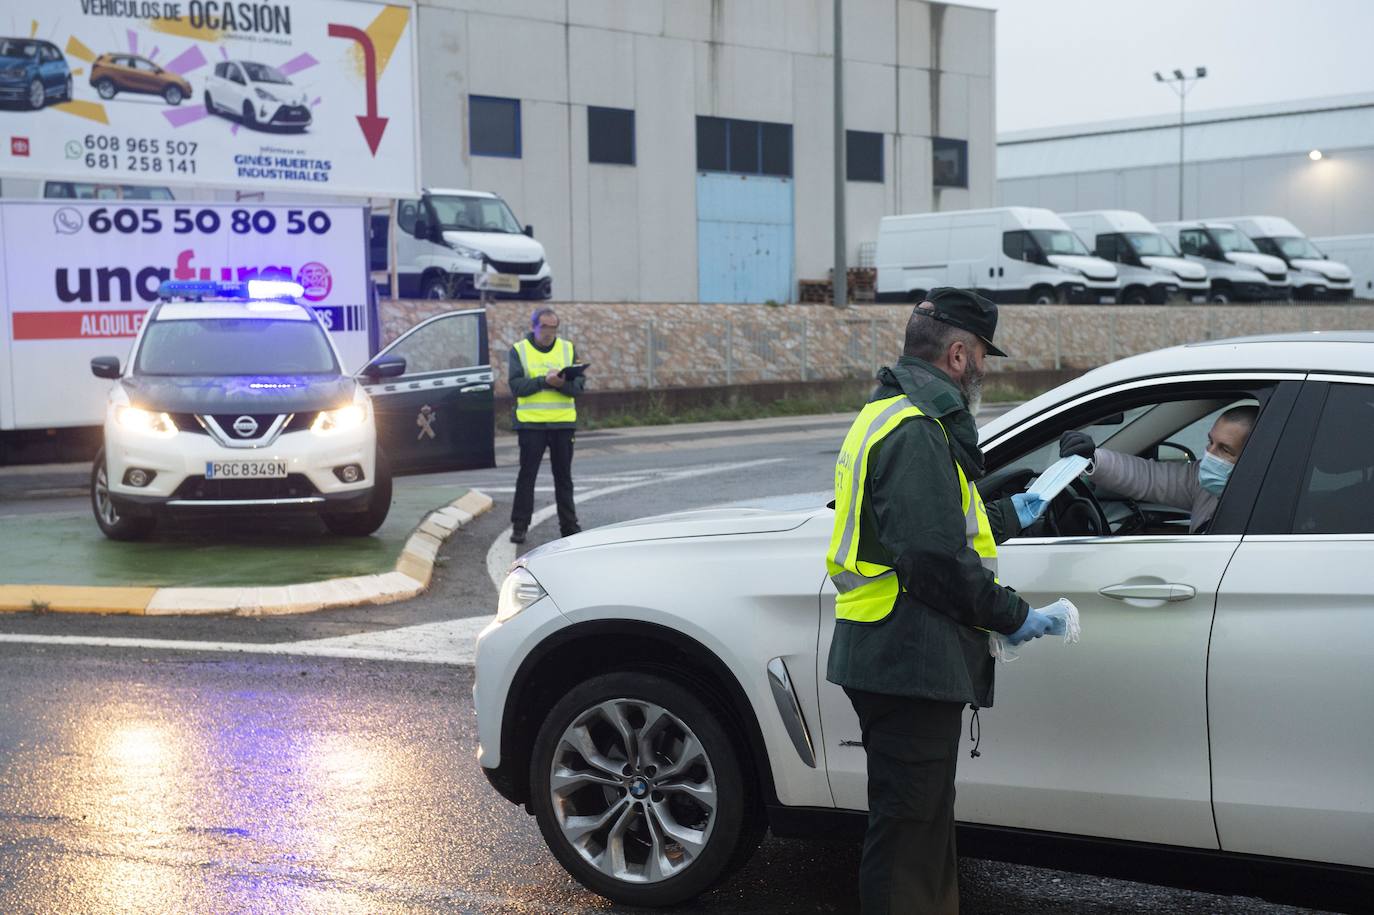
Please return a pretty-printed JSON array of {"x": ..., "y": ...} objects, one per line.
[
  {"x": 629, "y": 233},
  {"x": 1334, "y": 196}
]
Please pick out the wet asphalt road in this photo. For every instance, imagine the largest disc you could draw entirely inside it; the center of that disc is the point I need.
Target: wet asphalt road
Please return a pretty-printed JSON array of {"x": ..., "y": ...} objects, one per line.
[{"x": 136, "y": 780}]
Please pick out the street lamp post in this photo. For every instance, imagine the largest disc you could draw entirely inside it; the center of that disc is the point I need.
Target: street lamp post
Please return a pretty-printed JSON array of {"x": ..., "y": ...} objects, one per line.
[{"x": 1181, "y": 85}]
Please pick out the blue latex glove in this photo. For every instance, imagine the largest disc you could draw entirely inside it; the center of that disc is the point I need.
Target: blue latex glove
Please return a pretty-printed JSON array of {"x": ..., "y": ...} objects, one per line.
[
  {"x": 1029, "y": 506},
  {"x": 1037, "y": 623}
]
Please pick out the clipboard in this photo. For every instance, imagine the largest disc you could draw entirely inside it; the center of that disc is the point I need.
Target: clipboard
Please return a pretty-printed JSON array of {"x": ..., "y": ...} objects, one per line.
[{"x": 572, "y": 371}]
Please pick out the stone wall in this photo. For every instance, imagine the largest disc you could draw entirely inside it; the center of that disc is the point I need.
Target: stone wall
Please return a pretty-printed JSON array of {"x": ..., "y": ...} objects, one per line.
[{"x": 643, "y": 347}]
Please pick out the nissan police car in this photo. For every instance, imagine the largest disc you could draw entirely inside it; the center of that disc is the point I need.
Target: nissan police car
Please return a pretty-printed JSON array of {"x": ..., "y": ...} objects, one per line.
[{"x": 235, "y": 400}]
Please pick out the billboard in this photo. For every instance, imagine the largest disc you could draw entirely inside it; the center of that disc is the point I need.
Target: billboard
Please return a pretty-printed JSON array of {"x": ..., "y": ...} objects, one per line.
[
  {"x": 269, "y": 95},
  {"x": 76, "y": 280}
]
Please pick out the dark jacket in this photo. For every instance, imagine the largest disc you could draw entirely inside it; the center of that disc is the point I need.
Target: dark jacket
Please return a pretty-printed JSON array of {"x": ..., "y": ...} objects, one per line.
[
  {"x": 522, "y": 386},
  {"x": 932, "y": 645}
]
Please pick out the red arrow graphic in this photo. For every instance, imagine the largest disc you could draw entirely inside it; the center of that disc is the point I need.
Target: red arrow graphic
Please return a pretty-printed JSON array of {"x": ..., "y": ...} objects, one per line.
[{"x": 372, "y": 125}]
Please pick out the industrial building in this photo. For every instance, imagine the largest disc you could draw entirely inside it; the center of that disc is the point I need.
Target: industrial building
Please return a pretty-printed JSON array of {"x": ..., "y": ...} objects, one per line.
[{"x": 1310, "y": 161}]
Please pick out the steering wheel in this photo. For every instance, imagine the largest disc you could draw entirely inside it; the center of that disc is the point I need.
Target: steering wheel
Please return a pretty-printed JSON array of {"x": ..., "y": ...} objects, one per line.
[{"x": 1075, "y": 512}]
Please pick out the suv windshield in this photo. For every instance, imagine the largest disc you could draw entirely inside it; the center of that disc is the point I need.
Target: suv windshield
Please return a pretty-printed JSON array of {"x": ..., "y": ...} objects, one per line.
[
  {"x": 1298, "y": 247},
  {"x": 235, "y": 346},
  {"x": 475, "y": 214},
  {"x": 1151, "y": 245},
  {"x": 1059, "y": 241},
  {"x": 261, "y": 73},
  {"x": 1231, "y": 240}
]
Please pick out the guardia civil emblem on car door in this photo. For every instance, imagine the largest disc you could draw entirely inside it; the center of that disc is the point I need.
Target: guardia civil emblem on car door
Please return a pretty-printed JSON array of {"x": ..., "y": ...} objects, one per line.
[{"x": 425, "y": 420}]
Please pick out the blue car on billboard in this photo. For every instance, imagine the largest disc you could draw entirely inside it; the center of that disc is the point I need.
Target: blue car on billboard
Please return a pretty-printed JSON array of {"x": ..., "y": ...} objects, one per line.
[{"x": 33, "y": 71}]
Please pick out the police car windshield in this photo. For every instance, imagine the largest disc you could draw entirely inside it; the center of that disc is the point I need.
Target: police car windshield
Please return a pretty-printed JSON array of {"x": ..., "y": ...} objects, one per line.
[
  {"x": 1146, "y": 244},
  {"x": 235, "y": 346},
  {"x": 1059, "y": 241}
]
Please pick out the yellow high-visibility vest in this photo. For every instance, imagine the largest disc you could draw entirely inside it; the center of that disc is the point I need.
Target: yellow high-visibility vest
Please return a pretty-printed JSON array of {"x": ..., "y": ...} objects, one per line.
[
  {"x": 548, "y": 405},
  {"x": 869, "y": 590}
]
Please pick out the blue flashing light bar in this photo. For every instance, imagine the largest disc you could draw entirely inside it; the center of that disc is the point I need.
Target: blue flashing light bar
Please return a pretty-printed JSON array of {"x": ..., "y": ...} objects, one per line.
[{"x": 252, "y": 290}]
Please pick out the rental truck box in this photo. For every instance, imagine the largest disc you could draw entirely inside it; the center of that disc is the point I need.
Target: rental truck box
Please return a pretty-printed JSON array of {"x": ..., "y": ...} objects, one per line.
[{"x": 77, "y": 278}]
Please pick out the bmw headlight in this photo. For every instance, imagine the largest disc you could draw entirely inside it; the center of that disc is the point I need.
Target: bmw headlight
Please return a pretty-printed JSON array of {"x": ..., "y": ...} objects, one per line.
[
  {"x": 341, "y": 420},
  {"x": 148, "y": 422},
  {"x": 518, "y": 591}
]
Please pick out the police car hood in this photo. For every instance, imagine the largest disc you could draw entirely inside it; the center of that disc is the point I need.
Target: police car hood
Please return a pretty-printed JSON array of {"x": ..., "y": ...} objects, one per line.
[{"x": 239, "y": 393}]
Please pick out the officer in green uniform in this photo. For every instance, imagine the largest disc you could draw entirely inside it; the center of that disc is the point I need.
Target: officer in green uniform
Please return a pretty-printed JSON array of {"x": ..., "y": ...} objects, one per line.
[{"x": 914, "y": 559}]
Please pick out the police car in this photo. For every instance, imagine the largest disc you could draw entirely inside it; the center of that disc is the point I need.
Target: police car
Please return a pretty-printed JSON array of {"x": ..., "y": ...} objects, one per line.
[{"x": 235, "y": 400}]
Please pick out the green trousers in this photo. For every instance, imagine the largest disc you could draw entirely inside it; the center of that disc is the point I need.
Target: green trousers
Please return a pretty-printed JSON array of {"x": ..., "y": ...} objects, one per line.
[{"x": 909, "y": 860}]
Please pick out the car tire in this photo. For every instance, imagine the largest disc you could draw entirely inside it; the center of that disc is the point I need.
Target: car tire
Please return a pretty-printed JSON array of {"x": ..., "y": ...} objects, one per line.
[
  {"x": 112, "y": 523},
  {"x": 363, "y": 523},
  {"x": 1135, "y": 296},
  {"x": 1220, "y": 297},
  {"x": 581, "y": 825},
  {"x": 106, "y": 89},
  {"x": 1043, "y": 295},
  {"x": 436, "y": 287},
  {"x": 67, "y": 90},
  {"x": 172, "y": 95},
  {"x": 250, "y": 117},
  {"x": 38, "y": 95}
]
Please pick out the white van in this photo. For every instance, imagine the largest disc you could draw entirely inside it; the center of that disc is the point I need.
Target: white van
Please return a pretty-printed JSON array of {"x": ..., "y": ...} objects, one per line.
[
  {"x": 1311, "y": 273},
  {"x": 447, "y": 237},
  {"x": 1357, "y": 253},
  {"x": 1010, "y": 254},
  {"x": 1152, "y": 270},
  {"x": 1236, "y": 269}
]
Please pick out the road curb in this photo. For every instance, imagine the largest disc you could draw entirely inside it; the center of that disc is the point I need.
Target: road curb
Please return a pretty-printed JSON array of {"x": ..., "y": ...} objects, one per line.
[{"x": 414, "y": 569}]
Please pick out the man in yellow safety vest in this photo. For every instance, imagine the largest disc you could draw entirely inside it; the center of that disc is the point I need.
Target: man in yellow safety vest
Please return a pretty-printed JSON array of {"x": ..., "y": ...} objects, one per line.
[
  {"x": 914, "y": 560},
  {"x": 545, "y": 417}
]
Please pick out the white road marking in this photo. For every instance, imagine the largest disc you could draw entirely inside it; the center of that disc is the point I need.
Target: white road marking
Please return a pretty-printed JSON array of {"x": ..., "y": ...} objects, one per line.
[
  {"x": 502, "y": 552},
  {"x": 452, "y": 642}
]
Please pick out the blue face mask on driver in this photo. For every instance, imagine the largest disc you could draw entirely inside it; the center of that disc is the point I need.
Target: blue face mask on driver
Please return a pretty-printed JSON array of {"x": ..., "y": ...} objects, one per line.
[{"x": 1213, "y": 472}]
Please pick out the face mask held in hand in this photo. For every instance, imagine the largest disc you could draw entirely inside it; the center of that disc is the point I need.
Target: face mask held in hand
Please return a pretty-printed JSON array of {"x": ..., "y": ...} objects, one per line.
[{"x": 1213, "y": 472}]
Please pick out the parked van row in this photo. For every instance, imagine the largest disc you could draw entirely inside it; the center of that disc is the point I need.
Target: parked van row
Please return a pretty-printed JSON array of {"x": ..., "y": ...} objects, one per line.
[{"x": 1030, "y": 254}]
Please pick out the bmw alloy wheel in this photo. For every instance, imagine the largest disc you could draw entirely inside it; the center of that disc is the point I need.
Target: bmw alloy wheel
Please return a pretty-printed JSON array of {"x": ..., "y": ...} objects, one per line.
[{"x": 633, "y": 790}]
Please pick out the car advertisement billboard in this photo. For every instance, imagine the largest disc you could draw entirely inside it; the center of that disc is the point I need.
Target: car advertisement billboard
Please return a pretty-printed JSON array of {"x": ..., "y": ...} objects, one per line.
[
  {"x": 78, "y": 278},
  {"x": 286, "y": 95}
]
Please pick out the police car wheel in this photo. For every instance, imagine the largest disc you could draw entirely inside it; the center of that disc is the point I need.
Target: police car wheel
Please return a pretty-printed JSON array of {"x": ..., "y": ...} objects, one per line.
[
  {"x": 113, "y": 524},
  {"x": 360, "y": 524},
  {"x": 639, "y": 791}
]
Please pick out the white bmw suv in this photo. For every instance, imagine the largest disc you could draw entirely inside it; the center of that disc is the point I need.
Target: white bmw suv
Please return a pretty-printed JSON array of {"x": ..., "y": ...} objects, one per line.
[
  {"x": 654, "y": 692},
  {"x": 235, "y": 400}
]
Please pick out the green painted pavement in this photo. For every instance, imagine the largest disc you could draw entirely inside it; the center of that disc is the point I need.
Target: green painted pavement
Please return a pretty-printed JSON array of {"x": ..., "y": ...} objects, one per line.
[{"x": 68, "y": 549}]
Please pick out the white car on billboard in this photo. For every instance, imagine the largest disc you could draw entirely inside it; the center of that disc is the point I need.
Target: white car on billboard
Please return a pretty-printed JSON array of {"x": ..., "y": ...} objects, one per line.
[{"x": 257, "y": 94}]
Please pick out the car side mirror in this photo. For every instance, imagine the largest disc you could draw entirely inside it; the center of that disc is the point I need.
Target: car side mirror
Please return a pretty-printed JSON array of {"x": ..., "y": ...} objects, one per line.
[
  {"x": 529, "y": 231},
  {"x": 1215, "y": 253},
  {"x": 1173, "y": 451},
  {"x": 423, "y": 229},
  {"x": 386, "y": 367},
  {"x": 105, "y": 366}
]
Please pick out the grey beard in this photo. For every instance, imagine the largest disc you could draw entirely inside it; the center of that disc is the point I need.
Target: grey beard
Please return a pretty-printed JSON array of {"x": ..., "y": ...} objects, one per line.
[{"x": 972, "y": 387}]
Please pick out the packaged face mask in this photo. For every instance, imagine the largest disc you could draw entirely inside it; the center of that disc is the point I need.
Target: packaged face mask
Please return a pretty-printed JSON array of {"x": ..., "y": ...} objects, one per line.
[
  {"x": 1058, "y": 476},
  {"x": 1001, "y": 648}
]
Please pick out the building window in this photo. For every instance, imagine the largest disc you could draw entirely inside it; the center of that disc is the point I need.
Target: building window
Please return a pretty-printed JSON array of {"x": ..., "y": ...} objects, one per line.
[
  {"x": 494, "y": 126},
  {"x": 951, "y": 162},
  {"x": 744, "y": 147},
  {"x": 863, "y": 156},
  {"x": 611, "y": 136}
]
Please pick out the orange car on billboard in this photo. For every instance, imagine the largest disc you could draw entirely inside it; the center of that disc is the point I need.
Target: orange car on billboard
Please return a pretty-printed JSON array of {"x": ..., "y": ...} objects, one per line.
[{"x": 112, "y": 74}]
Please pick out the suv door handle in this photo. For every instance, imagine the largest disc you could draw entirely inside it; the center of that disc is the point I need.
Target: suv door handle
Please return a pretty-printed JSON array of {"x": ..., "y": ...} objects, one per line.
[{"x": 1165, "y": 591}]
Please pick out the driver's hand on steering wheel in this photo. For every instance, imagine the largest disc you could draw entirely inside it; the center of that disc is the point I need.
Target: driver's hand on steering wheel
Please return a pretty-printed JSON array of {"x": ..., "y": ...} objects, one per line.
[{"x": 1077, "y": 443}]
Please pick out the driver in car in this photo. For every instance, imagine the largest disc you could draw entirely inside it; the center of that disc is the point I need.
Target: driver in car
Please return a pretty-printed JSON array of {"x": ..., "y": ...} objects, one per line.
[{"x": 1194, "y": 485}]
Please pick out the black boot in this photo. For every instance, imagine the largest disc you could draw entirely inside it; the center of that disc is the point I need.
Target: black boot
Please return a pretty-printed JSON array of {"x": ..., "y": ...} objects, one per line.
[{"x": 517, "y": 535}]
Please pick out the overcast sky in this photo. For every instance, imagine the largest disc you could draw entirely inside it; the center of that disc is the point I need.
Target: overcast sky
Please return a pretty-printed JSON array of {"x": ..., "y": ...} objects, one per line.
[{"x": 1075, "y": 61}]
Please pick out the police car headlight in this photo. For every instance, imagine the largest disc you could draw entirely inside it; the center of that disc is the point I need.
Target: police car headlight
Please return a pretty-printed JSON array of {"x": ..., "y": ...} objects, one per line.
[
  {"x": 340, "y": 420},
  {"x": 145, "y": 421},
  {"x": 518, "y": 591}
]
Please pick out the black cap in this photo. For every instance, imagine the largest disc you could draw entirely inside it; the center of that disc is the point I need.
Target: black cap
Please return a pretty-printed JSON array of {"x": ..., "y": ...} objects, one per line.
[{"x": 965, "y": 309}]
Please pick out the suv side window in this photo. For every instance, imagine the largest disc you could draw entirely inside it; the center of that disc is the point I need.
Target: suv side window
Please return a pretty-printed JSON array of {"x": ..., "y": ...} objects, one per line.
[
  {"x": 234, "y": 75},
  {"x": 453, "y": 341},
  {"x": 1337, "y": 487}
]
